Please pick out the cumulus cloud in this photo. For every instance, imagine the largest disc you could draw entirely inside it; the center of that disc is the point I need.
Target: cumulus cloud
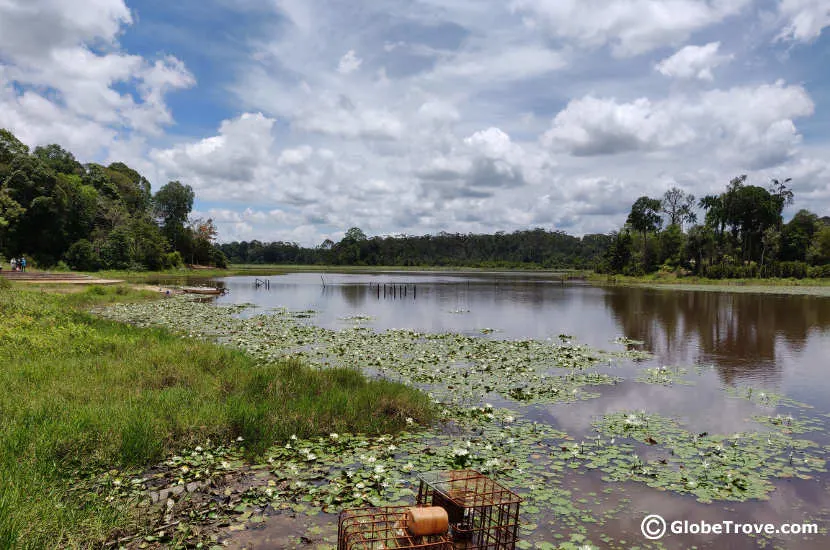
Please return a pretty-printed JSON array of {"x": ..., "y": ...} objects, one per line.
[
  {"x": 804, "y": 19},
  {"x": 630, "y": 27},
  {"x": 62, "y": 59},
  {"x": 433, "y": 115},
  {"x": 693, "y": 62},
  {"x": 750, "y": 123},
  {"x": 231, "y": 158}
]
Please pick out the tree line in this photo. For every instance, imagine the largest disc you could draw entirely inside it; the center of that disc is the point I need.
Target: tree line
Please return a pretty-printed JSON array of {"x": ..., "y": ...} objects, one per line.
[
  {"x": 532, "y": 248},
  {"x": 59, "y": 212},
  {"x": 742, "y": 234}
]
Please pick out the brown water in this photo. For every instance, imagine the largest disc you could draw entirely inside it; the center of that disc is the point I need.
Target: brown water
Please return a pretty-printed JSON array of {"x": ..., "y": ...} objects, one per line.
[{"x": 780, "y": 343}]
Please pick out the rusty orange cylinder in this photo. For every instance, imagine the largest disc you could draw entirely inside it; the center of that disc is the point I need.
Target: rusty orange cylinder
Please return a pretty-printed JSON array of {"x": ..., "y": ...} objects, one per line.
[{"x": 425, "y": 521}]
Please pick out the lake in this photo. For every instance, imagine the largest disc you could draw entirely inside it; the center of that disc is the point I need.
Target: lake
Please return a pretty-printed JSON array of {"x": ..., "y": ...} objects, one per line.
[{"x": 729, "y": 345}]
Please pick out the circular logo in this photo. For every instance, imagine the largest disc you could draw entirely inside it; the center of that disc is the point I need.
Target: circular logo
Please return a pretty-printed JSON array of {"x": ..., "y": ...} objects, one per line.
[{"x": 653, "y": 527}]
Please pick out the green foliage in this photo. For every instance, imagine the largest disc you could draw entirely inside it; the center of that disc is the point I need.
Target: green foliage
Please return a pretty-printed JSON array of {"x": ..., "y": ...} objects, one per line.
[
  {"x": 535, "y": 248},
  {"x": 172, "y": 204},
  {"x": 83, "y": 395},
  {"x": 645, "y": 215},
  {"x": 53, "y": 209},
  {"x": 82, "y": 256},
  {"x": 743, "y": 236}
]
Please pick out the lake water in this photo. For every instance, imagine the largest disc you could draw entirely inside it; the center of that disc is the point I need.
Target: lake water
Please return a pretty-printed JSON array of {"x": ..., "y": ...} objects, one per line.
[{"x": 776, "y": 343}]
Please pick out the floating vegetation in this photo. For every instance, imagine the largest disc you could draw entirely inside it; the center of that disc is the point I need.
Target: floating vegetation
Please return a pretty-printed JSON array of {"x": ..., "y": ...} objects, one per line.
[
  {"x": 764, "y": 398},
  {"x": 665, "y": 376},
  {"x": 357, "y": 318},
  {"x": 456, "y": 368},
  {"x": 340, "y": 470},
  {"x": 711, "y": 467}
]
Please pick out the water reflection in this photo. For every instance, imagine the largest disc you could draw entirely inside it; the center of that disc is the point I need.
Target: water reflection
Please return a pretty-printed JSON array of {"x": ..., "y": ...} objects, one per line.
[
  {"x": 759, "y": 339},
  {"x": 743, "y": 335}
]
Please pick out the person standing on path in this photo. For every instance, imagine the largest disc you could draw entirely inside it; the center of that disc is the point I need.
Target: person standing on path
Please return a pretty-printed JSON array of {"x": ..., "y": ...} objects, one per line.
[
  {"x": 23, "y": 264},
  {"x": 14, "y": 264}
]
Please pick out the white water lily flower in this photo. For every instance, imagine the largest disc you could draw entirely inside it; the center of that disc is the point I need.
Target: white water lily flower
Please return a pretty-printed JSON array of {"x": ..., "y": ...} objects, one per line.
[
  {"x": 391, "y": 448},
  {"x": 379, "y": 469},
  {"x": 370, "y": 459},
  {"x": 198, "y": 449},
  {"x": 294, "y": 437},
  {"x": 460, "y": 452},
  {"x": 410, "y": 420},
  {"x": 240, "y": 439},
  {"x": 408, "y": 467},
  {"x": 508, "y": 419},
  {"x": 333, "y": 435}
]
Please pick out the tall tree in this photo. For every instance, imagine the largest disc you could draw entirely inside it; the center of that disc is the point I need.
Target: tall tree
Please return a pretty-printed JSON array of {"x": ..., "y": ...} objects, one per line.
[
  {"x": 172, "y": 205},
  {"x": 679, "y": 207},
  {"x": 645, "y": 215},
  {"x": 58, "y": 159}
]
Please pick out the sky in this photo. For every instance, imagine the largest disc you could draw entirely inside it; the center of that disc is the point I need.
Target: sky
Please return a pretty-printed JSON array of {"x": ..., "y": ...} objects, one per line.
[{"x": 295, "y": 120}]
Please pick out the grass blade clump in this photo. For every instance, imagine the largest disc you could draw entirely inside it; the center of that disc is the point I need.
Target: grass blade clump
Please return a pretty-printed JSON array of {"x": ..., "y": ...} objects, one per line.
[{"x": 82, "y": 395}]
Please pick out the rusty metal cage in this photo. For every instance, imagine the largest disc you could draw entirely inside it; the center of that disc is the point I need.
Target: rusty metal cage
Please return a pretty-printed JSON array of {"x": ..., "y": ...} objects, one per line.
[
  {"x": 382, "y": 528},
  {"x": 483, "y": 514}
]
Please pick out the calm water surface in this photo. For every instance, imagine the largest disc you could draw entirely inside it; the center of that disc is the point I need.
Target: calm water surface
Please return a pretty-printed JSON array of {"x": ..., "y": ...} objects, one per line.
[{"x": 777, "y": 342}]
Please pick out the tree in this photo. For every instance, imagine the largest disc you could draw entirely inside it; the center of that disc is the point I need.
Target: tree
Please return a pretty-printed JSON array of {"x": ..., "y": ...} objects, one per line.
[
  {"x": 679, "y": 207},
  {"x": 618, "y": 255},
  {"x": 58, "y": 159},
  {"x": 172, "y": 205},
  {"x": 797, "y": 235},
  {"x": 82, "y": 256},
  {"x": 782, "y": 195},
  {"x": 645, "y": 215},
  {"x": 10, "y": 212},
  {"x": 132, "y": 188},
  {"x": 10, "y": 147},
  {"x": 355, "y": 234},
  {"x": 819, "y": 253}
]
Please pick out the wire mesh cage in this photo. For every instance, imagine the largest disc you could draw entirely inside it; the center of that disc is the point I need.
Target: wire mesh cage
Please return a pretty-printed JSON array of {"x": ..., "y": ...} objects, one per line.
[
  {"x": 483, "y": 515},
  {"x": 382, "y": 528}
]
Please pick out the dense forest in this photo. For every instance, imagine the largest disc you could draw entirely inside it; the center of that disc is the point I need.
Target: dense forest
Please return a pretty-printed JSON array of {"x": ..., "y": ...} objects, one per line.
[
  {"x": 742, "y": 235},
  {"x": 548, "y": 249},
  {"x": 59, "y": 213}
]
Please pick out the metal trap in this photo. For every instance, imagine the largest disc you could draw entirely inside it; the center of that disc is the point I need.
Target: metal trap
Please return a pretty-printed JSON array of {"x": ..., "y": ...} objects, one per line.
[
  {"x": 383, "y": 528},
  {"x": 483, "y": 514}
]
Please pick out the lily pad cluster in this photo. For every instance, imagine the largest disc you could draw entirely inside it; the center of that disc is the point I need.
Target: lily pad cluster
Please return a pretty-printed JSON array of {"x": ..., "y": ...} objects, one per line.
[
  {"x": 662, "y": 454},
  {"x": 455, "y": 368},
  {"x": 462, "y": 372}
]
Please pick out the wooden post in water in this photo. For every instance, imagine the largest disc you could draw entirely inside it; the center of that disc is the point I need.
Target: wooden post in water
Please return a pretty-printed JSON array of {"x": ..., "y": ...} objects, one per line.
[{"x": 414, "y": 292}]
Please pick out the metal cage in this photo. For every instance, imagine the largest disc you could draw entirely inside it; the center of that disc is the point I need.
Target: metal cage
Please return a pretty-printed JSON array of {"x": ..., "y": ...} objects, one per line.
[
  {"x": 383, "y": 528},
  {"x": 483, "y": 514}
]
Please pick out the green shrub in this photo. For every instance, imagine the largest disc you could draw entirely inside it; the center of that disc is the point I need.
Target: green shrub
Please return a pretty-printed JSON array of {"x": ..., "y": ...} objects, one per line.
[{"x": 82, "y": 256}]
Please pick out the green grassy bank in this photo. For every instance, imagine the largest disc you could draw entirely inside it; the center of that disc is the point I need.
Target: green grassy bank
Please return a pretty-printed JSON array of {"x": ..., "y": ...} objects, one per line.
[
  {"x": 813, "y": 287},
  {"x": 82, "y": 395}
]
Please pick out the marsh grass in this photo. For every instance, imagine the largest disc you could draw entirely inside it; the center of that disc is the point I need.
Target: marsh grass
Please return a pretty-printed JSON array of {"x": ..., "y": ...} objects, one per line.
[{"x": 81, "y": 395}]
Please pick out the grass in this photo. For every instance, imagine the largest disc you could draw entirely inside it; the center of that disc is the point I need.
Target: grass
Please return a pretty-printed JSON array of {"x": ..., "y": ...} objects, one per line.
[
  {"x": 817, "y": 287},
  {"x": 82, "y": 395}
]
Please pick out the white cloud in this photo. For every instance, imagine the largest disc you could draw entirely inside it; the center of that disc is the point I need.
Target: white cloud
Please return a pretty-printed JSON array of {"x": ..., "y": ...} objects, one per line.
[
  {"x": 59, "y": 67},
  {"x": 32, "y": 29},
  {"x": 630, "y": 27},
  {"x": 231, "y": 158},
  {"x": 693, "y": 62},
  {"x": 804, "y": 19},
  {"x": 349, "y": 63},
  {"x": 438, "y": 115},
  {"x": 750, "y": 123}
]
